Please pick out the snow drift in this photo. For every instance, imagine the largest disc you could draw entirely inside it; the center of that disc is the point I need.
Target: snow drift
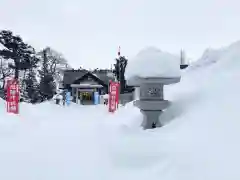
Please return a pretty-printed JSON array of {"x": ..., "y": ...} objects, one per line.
[
  {"x": 199, "y": 139},
  {"x": 198, "y": 142}
]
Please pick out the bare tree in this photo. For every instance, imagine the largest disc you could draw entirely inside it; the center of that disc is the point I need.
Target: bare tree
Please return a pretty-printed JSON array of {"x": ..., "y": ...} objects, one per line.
[
  {"x": 55, "y": 60},
  {"x": 53, "y": 63}
]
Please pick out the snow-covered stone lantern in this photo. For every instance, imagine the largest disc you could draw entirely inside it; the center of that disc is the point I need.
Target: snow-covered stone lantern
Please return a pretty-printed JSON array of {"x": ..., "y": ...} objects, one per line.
[{"x": 150, "y": 71}]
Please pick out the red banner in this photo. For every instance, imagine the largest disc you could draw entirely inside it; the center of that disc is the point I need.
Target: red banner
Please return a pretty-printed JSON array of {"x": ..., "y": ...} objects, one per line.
[
  {"x": 12, "y": 97},
  {"x": 113, "y": 96}
]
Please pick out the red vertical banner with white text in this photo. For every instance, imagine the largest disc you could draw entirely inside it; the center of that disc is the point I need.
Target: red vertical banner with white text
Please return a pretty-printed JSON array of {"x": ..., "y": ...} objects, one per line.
[
  {"x": 12, "y": 97},
  {"x": 113, "y": 96}
]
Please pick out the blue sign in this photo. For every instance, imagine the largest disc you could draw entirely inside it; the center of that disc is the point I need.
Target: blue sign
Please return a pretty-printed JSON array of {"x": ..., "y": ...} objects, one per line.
[
  {"x": 96, "y": 98},
  {"x": 68, "y": 98}
]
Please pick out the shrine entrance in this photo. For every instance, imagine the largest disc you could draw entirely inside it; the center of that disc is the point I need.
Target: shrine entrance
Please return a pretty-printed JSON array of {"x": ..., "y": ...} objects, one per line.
[
  {"x": 86, "y": 97},
  {"x": 87, "y": 89},
  {"x": 84, "y": 94}
]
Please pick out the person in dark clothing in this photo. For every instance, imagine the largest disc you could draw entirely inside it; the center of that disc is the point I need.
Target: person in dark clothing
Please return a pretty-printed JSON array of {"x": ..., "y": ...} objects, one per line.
[{"x": 58, "y": 98}]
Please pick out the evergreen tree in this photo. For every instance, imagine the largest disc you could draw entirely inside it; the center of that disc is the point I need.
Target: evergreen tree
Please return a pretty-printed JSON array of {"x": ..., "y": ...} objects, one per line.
[
  {"x": 119, "y": 71},
  {"x": 18, "y": 51},
  {"x": 20, "y": 57},
  {"x": 32, "y": 87},
  {"x": 47, "y": 85},
  {"x": 29, "y": 77}
]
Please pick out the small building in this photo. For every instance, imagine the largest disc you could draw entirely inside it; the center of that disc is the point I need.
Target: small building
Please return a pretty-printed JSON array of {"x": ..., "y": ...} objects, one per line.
[{"x": 83, "y": 83}]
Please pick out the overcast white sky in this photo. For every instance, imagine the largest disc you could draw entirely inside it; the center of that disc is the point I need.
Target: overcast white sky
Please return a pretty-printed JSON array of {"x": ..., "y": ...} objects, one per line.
[{"x": 89, "y": 32}]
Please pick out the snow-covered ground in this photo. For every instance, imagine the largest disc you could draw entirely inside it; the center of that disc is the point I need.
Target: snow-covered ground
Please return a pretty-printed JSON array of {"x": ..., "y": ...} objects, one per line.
[{"x": 200, "y": 139}]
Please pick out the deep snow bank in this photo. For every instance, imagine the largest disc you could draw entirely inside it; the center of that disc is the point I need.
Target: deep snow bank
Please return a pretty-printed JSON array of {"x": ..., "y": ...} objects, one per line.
[
  {"x": 199, "y": 139},
  {"x": 50, "y": 142},
  {"x": 198, "y": 142}
]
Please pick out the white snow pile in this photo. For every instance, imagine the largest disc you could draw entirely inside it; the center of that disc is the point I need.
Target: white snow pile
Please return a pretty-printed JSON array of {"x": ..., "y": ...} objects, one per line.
[
  {"x": 199, "y": 139},
  {"x": 212, "y": 56},
  {"x": 106, "y": 96},
  {"x": 151, "y": 62},
  {"x": 50, "y": 142}
]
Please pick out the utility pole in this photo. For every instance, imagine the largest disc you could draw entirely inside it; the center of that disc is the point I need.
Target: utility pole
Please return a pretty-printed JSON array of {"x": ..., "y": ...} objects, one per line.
[
  {"x": 119, "y": 68},
  {"x": 183, "y": 62}
]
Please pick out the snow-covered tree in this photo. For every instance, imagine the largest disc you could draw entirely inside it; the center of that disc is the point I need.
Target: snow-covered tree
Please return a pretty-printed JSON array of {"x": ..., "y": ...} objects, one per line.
[
  {"x": 17, "y": 50},
  {"x": 5, "y": 72},
  {"x": 119, "y": 71}
]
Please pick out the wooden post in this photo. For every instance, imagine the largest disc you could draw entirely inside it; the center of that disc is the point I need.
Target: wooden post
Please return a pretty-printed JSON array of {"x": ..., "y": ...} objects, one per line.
[
  {"x": 72, "y": 94},
  {"x": 76, "y": 95}
]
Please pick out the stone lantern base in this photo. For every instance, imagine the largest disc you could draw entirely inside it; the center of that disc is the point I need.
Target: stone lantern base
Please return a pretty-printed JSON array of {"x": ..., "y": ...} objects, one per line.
[
  {"x": 151, "y": 111},
  {"x": 151, "y": 119}
]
